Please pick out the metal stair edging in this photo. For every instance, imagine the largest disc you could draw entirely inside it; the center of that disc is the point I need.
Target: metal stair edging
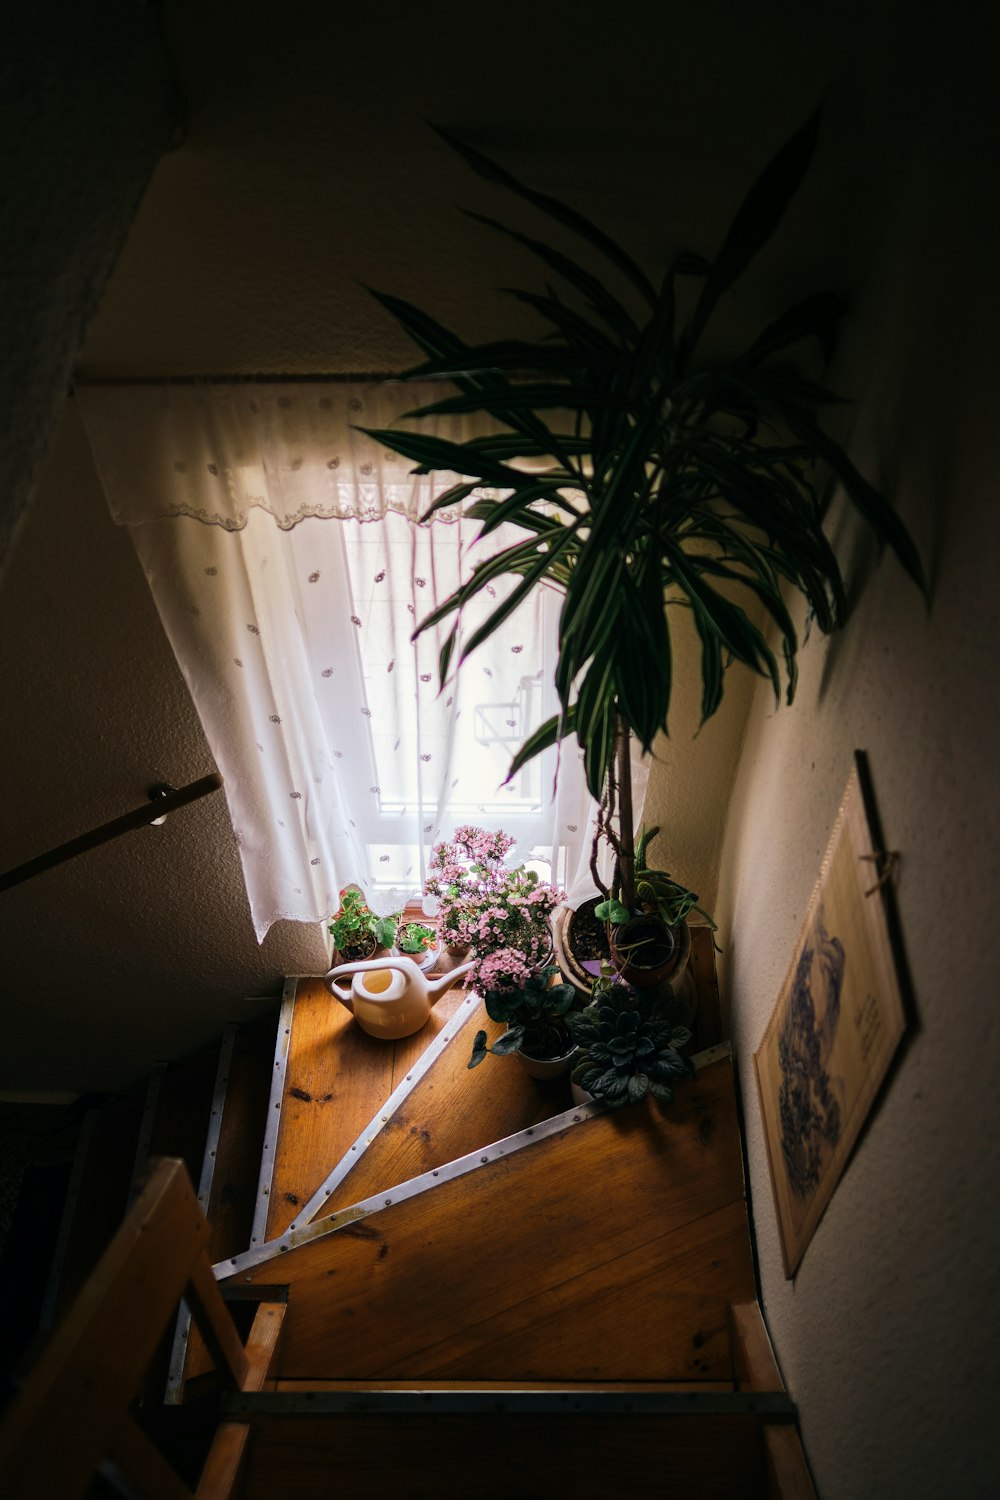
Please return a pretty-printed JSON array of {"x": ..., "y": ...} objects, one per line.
[
  {"x": 480, "y": 1157},
  {"x": 182, "y": 1329},
  {"x": 373, "y": 1129},
  {"x": 773, "y": 1405},
  {"x": 278, "y": 1075}
]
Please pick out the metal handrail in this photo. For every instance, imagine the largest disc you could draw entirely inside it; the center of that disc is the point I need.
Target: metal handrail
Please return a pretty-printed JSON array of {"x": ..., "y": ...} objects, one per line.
[{"x": 141, "y": 817}]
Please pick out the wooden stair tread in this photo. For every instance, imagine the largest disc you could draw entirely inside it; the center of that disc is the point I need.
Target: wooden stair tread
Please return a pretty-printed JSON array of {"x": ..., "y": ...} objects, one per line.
[
  {"x": 609, "y": 1250},
  {"x": 531, "y": 1456},
  {"x": 449, "y": 1113},
  {"x": 335, "y": 1078}
]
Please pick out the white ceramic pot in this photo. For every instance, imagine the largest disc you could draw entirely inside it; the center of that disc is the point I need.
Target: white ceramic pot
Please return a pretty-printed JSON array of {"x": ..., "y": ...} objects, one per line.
[{"x": 545, "y": 1067}]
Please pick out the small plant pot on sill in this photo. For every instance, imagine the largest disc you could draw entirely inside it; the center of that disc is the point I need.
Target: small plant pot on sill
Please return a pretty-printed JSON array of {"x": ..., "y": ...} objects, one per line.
[
  {"x": 358, "y": 953},
  {"x": 425, "y": 960},
  {"x": 418, "y": 941},
  {"x": 646, "y": 952}
]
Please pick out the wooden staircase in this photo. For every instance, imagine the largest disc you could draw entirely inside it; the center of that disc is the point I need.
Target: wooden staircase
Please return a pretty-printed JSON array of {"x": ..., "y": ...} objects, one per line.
[{"x": 487, "y": 1291}]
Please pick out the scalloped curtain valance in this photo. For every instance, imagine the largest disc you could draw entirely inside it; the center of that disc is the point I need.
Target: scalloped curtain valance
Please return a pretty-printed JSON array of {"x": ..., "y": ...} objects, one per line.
[{"x": 217, "y": 452}]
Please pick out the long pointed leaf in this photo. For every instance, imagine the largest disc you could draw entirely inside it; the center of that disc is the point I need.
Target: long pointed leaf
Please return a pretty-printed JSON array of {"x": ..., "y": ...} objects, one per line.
[
  {"x": 590, "y": 287},
  {"x": 560, "y": 212},
  {"x": 571, "y": 325},
  {"x": 815, "y": 316},
  {"x": 511, "y": 509},
  {"x": 454, "y": 495},
  {"x": 534, "y": 397},
  {"x": 514, "y": 598},
  {"x": 545, "y": 736},
  {"x": 435, "y": 453},
  {"x": 755, "y": 222}
]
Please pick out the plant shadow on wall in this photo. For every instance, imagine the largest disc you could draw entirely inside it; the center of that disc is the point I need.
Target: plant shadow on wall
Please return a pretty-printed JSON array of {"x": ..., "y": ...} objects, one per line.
[{"x": 647, "y": 482}]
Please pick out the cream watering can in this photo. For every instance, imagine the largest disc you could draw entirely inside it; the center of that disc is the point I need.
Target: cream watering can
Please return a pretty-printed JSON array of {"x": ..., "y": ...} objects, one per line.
[{"x": 390, "y": 997}]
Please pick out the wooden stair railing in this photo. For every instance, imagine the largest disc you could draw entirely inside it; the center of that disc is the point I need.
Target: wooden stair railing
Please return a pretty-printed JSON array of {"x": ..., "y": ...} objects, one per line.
[
  {"x": 140, "y": 817},
  {"x": 71, "y": 1417}
]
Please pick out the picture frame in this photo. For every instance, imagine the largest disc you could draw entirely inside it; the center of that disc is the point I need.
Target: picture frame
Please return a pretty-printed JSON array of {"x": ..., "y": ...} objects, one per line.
[{"x": 838, "y": 1021}]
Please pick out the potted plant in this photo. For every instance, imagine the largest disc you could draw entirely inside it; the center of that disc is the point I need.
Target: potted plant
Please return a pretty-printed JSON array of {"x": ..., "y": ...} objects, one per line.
[
  {"x": 486, "y": 904},
  {"x": 535, "y": 1008},
  {"x": 580, "y": 939},
  {"x": 358, "y": 933},
  {"x": 628, "y": 1043},
  {"x": 657, "y": 480},
  {"x": 651, "y": 943},
  {"x": 418, "y": 942}
]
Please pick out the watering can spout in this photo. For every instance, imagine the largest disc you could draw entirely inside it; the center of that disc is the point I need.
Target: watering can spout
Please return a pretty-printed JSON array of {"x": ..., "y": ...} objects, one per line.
[{"x": 438, "y": 987}]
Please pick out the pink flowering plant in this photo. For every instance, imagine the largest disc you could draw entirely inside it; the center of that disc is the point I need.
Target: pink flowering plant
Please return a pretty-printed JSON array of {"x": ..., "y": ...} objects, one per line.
[
  {"x": 500, "y": 911},
  {"x": 503, "y": 913},
  {"x": 535, "y": 1010}
]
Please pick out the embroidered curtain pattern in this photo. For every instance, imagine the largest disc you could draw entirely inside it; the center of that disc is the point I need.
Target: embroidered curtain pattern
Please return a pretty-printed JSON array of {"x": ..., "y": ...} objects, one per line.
[{"x": 342, "y": 759}]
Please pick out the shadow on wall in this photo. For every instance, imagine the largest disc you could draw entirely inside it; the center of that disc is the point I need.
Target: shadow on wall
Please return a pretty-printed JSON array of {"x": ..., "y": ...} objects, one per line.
[
  {"x": 83, "y": 121},
  {"x": 888, "y": 1301}
]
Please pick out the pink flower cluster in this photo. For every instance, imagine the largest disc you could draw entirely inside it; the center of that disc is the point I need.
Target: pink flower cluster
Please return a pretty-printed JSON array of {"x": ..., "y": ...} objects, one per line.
[
  {"x": 501, "y": 912},
  {"x": 505, "y": 970}
]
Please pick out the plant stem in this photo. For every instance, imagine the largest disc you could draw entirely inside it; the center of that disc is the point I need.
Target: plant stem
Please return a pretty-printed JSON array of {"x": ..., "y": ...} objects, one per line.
[{"x": 626, "y": 851}]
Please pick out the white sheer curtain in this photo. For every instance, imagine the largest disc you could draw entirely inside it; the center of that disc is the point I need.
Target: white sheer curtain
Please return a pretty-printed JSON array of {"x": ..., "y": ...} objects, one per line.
[{"x": 342, "y": 759}]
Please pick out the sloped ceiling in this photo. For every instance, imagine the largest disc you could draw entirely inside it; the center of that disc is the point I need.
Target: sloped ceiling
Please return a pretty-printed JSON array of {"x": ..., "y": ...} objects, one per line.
[{"x": 309, "y": 168}]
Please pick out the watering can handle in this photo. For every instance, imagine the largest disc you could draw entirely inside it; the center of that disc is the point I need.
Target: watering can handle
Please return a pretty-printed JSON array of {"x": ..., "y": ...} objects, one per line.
[
  {"x": 338, "y": 991},
  {"x": 362, "y": 966}
]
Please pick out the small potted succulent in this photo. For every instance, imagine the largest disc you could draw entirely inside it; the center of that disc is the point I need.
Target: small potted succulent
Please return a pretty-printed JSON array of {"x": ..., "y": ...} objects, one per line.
[
  {"x": 358, "y": 932},
  {"x": 628, "y": 1043},
  {"x": 418, "y": 942},
  {"x": 535, "y": 1008}
]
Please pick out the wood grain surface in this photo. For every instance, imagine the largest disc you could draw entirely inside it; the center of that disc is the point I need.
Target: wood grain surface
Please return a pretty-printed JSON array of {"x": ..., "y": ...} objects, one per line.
[
  {"x": 608, "y": 1251},
  {"x": 337, "y": 1078}
]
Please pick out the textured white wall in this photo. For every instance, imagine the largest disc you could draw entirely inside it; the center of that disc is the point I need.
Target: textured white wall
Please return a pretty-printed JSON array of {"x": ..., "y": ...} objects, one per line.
[
  {"x": 141, "y": 949},
  {"x": 887, "y": 1335}
]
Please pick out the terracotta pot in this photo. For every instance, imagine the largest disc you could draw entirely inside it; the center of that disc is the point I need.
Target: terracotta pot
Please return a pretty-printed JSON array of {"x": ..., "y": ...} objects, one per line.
[
  {"x": 579, "y": 971},
  {"x": 668, "y": 965},
  {"x": 425, "y": 959},
  {"x": 358, "y": 953}
]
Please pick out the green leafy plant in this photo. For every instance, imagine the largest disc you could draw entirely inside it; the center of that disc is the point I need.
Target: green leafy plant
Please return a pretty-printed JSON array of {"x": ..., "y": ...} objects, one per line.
[
  {"x": 535, "y": 1013},
  {"x": 659, "y": 482},
  {"x": 414, "y": 937},
  {"x": 628, "y": 1043},
  {"x": 655, "y": 892},
  {"x": 355, "y": 927}
]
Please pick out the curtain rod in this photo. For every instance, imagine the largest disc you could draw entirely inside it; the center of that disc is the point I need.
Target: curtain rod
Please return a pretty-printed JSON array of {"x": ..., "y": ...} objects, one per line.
[{"x": 237, "y": 379}]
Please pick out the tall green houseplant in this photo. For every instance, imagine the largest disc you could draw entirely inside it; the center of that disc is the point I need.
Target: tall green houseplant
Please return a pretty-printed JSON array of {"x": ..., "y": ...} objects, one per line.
[{"x": 658, "y": 481}]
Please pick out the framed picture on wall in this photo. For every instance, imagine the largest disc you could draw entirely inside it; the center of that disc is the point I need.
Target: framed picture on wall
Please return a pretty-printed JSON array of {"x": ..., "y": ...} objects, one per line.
[{"x": 838, "y": 1021}]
